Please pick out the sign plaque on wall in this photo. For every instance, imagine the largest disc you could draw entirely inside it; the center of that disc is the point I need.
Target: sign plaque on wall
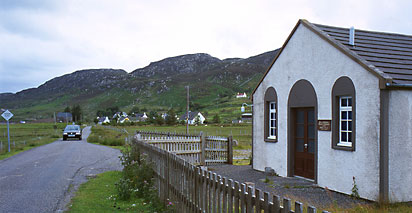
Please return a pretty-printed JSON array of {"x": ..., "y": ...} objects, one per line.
[{"x": 324, "y": 125}]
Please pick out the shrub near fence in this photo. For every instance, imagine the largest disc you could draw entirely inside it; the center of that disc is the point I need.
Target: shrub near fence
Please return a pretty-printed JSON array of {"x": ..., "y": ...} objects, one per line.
[
  {"x": 192, "y": 189},
  {"x": 196, "y": 149}
]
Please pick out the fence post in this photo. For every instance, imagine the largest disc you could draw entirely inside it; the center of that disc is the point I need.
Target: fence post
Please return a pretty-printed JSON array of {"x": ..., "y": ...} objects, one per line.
[
  {"x": 230, "y": 150},
  {"x": 203, "y": 149}
]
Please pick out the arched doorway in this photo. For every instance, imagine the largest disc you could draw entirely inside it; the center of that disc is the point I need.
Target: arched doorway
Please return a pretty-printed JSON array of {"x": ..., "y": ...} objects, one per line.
[{"x": 302, "y": 133}]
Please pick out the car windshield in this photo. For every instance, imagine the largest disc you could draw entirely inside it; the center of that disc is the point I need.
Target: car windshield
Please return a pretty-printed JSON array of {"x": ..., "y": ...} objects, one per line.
[{"x": 72, "y": 127}]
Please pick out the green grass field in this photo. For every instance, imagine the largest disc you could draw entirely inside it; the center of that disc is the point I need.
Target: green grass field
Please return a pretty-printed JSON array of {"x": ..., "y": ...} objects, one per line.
[
  {"x": 240, "y": 132},
  {"x": 100, "y": 195},
  {"x": 26, "y": 136}
]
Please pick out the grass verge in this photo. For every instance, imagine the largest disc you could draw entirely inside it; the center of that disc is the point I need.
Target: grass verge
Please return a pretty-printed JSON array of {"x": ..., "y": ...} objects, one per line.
[
  {"x": 376, "y": 208},
  {"x": 100, "y": 195},
  {"x": 24, "y": 137}
]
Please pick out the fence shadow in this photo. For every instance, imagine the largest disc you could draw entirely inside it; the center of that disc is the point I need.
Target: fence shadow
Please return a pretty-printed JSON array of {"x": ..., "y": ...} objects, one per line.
[{"x": 191, "y": 188}]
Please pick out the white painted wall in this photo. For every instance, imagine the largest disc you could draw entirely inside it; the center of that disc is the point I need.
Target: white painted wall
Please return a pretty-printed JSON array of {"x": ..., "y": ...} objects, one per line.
[
  {"x": 400, "y": 145},
  {"x": 307, "y": 56},
  {"x": 201, "y": 118}
]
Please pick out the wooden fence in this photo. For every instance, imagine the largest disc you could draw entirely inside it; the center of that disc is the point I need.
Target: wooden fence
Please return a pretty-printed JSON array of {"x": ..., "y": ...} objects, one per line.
[
  {"x": 192, "y": 189},
  {"x": 196, "y": 149}
]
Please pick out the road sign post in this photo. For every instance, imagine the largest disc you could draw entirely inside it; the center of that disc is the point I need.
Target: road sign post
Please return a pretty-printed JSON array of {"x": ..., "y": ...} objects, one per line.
[
  {"x": 7, "y": 115},
  {"x": 8, "y": 133}
]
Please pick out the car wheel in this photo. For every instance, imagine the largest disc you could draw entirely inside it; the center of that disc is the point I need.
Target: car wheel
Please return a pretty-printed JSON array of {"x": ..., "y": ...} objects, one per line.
[
  {"x": 80, "y": 138},
  {"x": 64, "y": 138}
]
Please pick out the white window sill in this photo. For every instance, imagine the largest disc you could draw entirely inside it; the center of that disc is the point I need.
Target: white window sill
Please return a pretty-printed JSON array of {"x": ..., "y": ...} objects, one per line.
[
  {"x": 345, "y": 144},
  {"x": 272, "y": 138}
]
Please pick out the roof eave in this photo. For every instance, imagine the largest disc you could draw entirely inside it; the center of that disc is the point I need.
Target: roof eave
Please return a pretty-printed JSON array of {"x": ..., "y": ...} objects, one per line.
[
  {"x": 277, "y": 56},
  {"x": 398, "y": 86}
]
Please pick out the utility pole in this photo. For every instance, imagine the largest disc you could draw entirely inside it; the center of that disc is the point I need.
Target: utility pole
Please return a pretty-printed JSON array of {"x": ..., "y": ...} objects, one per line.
[{"x": 187, "y": 110}]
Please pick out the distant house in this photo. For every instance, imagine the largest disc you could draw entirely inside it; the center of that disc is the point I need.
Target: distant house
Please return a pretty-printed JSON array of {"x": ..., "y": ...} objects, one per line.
[
  {"x": 138, "y": 117},
  {"x": 246, "y": 118},
  {"x": 241, "y": 95},
  {"x": 103, "y": 120},
  {"x": 192, "y": 117},
  {"x": 118, "y": 115},
  {"x": 123, "y": 119},
  {"x": 134, "y": 119},
  {"x": 236, "y": 121},
  {"x": 64, "y": 117}
]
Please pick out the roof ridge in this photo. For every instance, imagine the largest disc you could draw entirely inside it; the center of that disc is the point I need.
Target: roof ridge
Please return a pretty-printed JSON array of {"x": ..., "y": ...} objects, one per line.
[
  {"x": 369, "y": 66},
  {"x": 367, "y": 31},
  {"x": 390, "y": 47}
]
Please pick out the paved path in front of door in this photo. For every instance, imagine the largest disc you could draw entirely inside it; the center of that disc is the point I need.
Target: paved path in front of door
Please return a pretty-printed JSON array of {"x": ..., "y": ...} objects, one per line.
[{"x": 291, "y": 187}]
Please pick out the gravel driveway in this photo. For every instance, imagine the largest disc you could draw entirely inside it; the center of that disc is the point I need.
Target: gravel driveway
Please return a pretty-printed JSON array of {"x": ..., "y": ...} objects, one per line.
[
  {"x": 43, "y": 179},
  {"x": 291, "y": 187}
]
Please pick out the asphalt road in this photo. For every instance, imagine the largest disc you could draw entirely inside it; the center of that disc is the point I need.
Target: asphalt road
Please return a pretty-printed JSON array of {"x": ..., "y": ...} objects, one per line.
[{"x": 44, "y": 179}]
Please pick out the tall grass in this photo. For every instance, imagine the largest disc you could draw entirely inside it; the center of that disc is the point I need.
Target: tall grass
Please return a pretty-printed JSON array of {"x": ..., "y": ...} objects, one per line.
[
  {"x": 106, "y": 136},
  {"x": 26, "y": 136}
]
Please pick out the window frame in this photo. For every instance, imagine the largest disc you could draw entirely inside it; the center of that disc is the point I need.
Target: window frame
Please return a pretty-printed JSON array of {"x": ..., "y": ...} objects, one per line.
[
  {"x": 347, "y": 109},
  {"x": 270, "y": 98},
  {"x": 272, "y": 111},
  {"x": 343, "y": 88}
]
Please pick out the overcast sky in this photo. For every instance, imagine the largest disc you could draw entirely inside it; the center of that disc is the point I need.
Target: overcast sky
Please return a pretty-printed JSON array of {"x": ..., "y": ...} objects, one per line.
[{"x": 43, "y": 39}]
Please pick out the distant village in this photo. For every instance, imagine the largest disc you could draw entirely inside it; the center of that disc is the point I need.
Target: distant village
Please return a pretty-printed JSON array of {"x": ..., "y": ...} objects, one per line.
[{"x": 143, "y": 117}]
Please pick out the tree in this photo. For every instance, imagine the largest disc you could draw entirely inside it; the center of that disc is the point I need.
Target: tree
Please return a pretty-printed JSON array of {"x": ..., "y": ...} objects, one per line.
[
  {"x": 159, "y": 120},
  {"x": 171, "y": 117},
  {"x": 112, "y": 110},
  {"x": 151, "y": 118},
  {"x": 216, "y": 119},
  {"x": 135, "y": 109},
  {"x": 67, "y": 109},
  {"x": 101, "y": 113},
  {"x": 76, "y": 113}
]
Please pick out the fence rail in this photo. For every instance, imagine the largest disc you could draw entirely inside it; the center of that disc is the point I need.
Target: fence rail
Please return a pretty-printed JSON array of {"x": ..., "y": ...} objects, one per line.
[
  {"x": 196, "y": 149},
  {"x": 193, "y": 189}
]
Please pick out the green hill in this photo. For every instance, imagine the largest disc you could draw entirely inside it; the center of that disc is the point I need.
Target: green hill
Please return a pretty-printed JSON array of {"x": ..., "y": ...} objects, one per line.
[{"x": 159, "y": 86}]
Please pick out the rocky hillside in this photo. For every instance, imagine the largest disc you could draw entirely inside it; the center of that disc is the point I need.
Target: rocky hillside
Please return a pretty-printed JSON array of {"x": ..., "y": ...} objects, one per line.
[
  {"x": 159, "y": 85},
  {"x": 184, "y": 64}
]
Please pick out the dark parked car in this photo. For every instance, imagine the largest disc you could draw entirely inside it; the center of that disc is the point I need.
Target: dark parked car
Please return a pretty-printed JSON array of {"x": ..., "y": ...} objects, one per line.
[{"x": 72, "y": 131}]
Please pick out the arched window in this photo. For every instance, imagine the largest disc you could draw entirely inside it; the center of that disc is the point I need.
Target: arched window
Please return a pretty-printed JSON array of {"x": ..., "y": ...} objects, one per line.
[
  {"x": 271, "y": 115},
  {"x": 343, "y": 114}
]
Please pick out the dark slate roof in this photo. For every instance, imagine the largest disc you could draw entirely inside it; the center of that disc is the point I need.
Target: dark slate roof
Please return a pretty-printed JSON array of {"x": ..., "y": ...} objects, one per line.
[
  {"x": 139, "y": 115},
  {"x": 101, "y": 119},
  {"x": 389, "y": 53},
  {"x": 192, "y": 115},
  {"x": 64, "y": 115}
]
